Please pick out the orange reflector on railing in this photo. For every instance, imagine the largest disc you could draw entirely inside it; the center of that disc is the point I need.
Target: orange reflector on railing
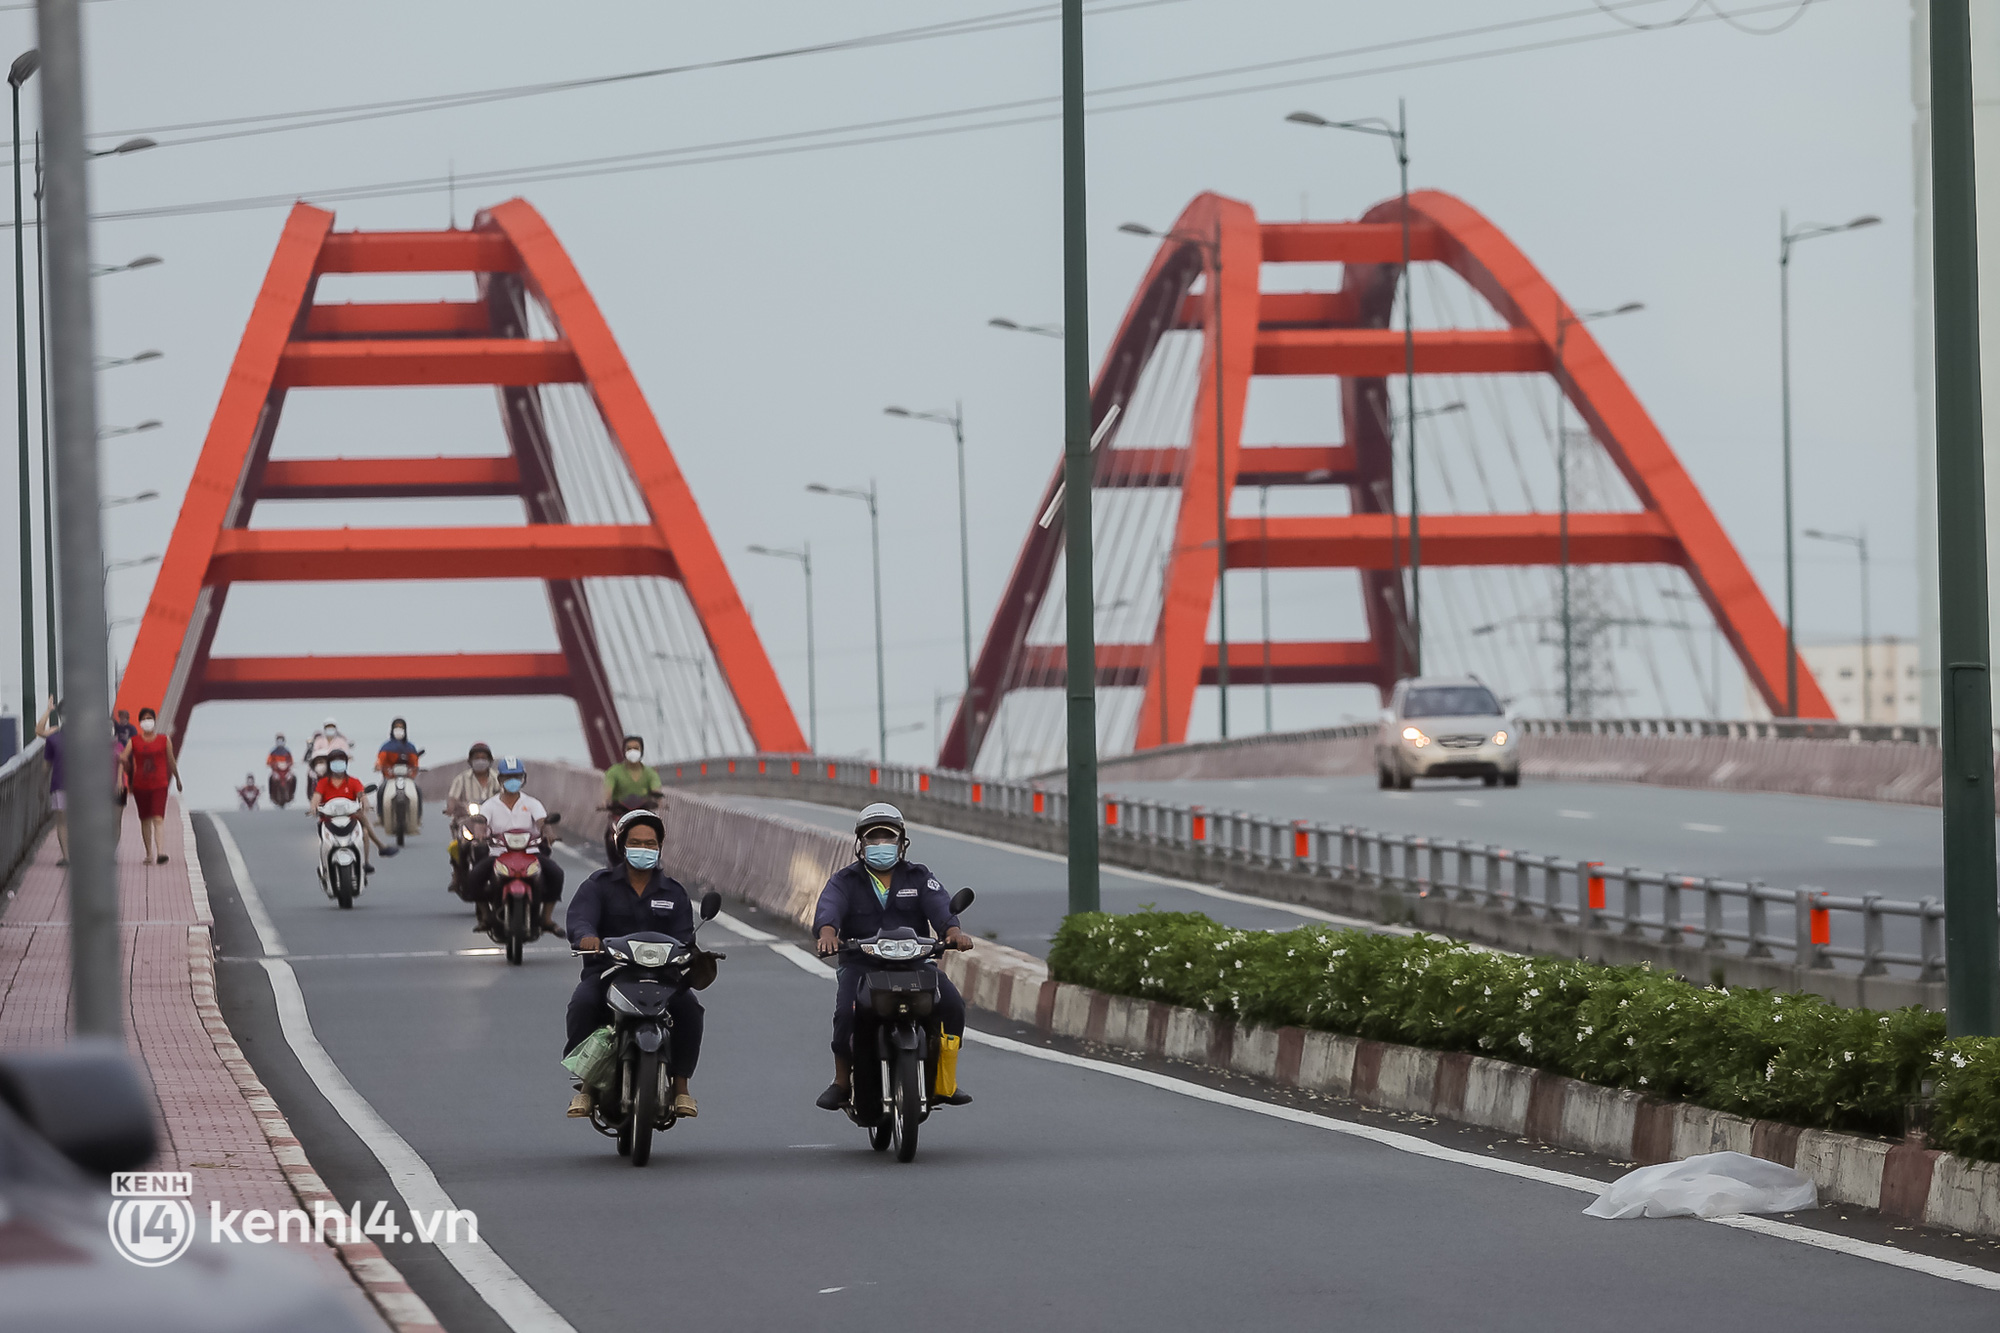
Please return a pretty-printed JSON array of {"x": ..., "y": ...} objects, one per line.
[
  {"x": 704, "y": 768},
  {"x": 1111, "y": 814},
  {"x": 680, "y": 772},
  {"x": 1595, "y": 882},
  {"x": 1200, "y": 832},
  {"x": 795, "y": 768},
  {"x": 830, "y": 772},
  {"x": 1302, "y": 843},
  {"x": 874, "y": 777},
  {"x": 732, "y": 766},
  {"x": 1822, "y": 921},
  {"x": 923, "y": 782},
  {"x": 1038, "y": 800},
  {"x": 977, "y": 792},
  {"x": 760, "y": 765}
]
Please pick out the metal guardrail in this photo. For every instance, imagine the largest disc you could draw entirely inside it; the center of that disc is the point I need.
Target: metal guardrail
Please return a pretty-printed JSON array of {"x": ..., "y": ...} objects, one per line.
[
  {"x": 24, "y": 806},
  {"x": 1702, "y": 911},
  {"x": 1771, "y": 729}
]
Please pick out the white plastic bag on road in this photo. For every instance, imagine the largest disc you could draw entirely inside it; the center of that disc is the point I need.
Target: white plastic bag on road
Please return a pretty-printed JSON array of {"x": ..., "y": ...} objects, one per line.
[{"x": 1715, "y": 1184}]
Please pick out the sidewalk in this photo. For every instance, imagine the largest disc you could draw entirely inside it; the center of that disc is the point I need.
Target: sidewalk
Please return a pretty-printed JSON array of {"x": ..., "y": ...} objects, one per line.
[{"x": 215, "y": 1119}]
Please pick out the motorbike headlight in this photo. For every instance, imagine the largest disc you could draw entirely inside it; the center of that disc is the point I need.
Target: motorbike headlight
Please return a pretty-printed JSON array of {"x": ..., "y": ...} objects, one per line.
[
  {"x": 1499, "y": 738},
  {"x": 534, "y": 868},
  {"x": 517, "y": 842},
  {"x": 898, "y": 951},
  {"x": 647, "y": 954},
  {"x": 1412, "y": 736},
  {"x": 343, "y": 856}
]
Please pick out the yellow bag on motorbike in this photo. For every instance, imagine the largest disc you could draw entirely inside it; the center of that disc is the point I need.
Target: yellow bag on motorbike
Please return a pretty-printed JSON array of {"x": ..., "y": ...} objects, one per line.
[
  {"x": 944, "y": 1083},
  {"x": 592, "y": 1061}
]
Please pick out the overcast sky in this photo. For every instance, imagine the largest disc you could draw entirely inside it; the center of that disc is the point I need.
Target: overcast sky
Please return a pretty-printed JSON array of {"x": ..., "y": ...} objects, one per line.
[{"x": 771, "y": 305}]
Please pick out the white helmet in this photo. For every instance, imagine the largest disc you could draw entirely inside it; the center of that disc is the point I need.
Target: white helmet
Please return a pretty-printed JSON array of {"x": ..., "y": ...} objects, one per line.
[{"x": 880, "y": 815}]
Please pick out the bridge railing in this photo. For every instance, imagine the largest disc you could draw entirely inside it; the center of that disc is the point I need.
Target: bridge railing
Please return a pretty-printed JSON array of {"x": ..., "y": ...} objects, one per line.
[
  {"x": 24, "y": 807},
  {"x": 1786, "y": 728},
  {"x": 1690, "y": 920}
]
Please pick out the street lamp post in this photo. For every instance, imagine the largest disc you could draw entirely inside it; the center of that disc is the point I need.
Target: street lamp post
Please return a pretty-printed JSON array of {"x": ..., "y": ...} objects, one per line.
[
  {"x": 1080, "y": 631},
  {"x": 1211, "y": 251},
  {"x": 1787, "y": 238},
  {"x": 1859, "y": 541},
  {"x": 1399, "y": 138},
  {"x": 700, "y": 663},
  {"x": 804, "y": 556},
  {"x": 956, "y": 420},
  {"x": 868, "y": 497},
  {"x": 23, "y": 69},
  {"x": 1564, "y": 322}
]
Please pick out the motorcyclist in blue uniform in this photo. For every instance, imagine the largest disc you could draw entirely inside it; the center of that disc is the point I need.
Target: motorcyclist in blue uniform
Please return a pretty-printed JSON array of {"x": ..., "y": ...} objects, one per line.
[
  {"x": 623, "y": 900},
  {"x": 884, "y": 890}
]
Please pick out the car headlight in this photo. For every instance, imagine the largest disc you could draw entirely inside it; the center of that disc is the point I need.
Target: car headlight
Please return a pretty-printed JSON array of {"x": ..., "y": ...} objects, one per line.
[
  {"x": 647, "y": 954},
  {"x": 1412, "y": 736},
  {"x": 1499, "y": 738}
]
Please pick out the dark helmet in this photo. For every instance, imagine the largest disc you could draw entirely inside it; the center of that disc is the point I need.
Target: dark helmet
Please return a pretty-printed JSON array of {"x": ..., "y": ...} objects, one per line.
[
  {"x": 633, "y": 819},
  {"x": 478, "y": 748},
  {"x": 335, "y": 753}
]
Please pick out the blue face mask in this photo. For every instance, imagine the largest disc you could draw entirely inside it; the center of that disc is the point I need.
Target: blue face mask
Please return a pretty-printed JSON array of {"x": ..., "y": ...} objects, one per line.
[
  {"x": 881, "y": 855},
  {"x": 642, "y": 858},
  {"x": 337, "y": 765},
  {"x": 510, "y": 784}
]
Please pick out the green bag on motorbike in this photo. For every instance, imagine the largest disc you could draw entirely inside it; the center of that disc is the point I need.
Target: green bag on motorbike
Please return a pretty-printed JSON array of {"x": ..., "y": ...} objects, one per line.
[{"x": 592, "y": 1060}]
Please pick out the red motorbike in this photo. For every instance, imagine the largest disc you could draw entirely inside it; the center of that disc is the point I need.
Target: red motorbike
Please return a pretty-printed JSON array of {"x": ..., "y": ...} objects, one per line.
[
  {"x": 283, "y": 783},
  {"x": 512, "y": 918}
]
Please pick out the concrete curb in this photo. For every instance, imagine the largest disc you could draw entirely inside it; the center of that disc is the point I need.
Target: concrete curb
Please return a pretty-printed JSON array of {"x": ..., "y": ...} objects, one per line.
[
  {"x": 401, "y": 1308},
  {"x": 1901, "y": 1180}
]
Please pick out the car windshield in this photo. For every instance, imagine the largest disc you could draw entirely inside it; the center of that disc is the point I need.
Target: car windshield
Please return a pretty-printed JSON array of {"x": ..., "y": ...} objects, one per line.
[{"x": 1451, "y": 701}]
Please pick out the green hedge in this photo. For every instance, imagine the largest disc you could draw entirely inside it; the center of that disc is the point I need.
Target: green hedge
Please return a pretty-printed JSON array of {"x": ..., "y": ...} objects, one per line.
[{"x": 1763, "y": 1054}]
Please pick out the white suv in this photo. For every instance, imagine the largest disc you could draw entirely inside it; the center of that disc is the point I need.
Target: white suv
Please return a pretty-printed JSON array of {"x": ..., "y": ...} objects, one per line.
[{"x": 1446, "y": 727}]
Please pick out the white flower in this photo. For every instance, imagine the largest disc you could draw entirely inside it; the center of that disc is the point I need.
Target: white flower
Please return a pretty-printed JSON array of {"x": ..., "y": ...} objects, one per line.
[
  {"x": 1534, "y": 992},
  {"x": 1958, "y": 1061},
  {"x": 1770, "y": 1071},
  {"x": 1527, "y": 1043},
  {"x": 1489, "y": 990},
  {"x": 1239, "y": 962},
  {"x": 1584, "y": 1031},
  {"x": 1642, "y": 1080},
  {"x": 1630, "y": 1042},
  {"x": 1847, "y": 1055}
]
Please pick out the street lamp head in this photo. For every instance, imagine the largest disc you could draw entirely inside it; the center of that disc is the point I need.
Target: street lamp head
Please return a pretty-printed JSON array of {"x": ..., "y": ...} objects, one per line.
[
  {"x": 1811, "y": 532},
  {"x": 817, "y": 489},
  {"x": 1629, "y": 307},
  {"x": 1865, "y": 220},
  {"x": 150, "y": 354},
  {"x": 24, "y": 67},
  {"x": 145, "y": 261},
  {"x": 139, "y": 144},
  {"x": 1308, "y": 118},
  {"x": 1003, "y": 323},
  {"x": 1456, "y": 406},
  {"x": 1136, "y": 229},
  {"x": 896, "y": 412}
]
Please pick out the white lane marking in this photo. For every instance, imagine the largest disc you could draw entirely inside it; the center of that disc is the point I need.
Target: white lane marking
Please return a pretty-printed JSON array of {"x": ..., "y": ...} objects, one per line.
[
  {"x": 191, "y": 858},
  {"x": 1388, "y": 1138},
  {"x": 1576, "y": 814},
  {"x": 1466, "y": 800},
  {"x": 1703, "y": 828},
  {"x": 253, "y": 903},
  {"x": 747, "y": 931},
  {"x": 1206, "y": 890},
  {"x": 517, "y": 1304},
  {"x": 494, "y": 952},
  {"x": 1854, "y": 842},
  {"x": 1398, "y": 796},
  {"x": 1860, "y": 1249},
  {"x": 564, "y": 849}
]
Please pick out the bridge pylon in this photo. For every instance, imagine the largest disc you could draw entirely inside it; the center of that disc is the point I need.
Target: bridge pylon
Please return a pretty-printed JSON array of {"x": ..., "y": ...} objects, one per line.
[{"x": 533, "y": 326}]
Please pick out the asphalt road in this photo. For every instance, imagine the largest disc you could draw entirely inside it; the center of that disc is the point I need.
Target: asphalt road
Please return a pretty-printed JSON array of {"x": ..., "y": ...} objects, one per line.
[{"x": 1065, "y": 1198}]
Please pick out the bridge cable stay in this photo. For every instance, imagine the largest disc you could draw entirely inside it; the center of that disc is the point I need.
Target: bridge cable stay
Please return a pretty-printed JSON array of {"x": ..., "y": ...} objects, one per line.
[
  {"x": 1488, "y": 327},
  {"x": 633, "y": 578}
]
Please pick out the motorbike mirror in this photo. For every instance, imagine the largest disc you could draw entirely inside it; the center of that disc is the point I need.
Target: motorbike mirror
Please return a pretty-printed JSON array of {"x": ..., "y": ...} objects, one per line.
[
  {"x": 960, "y": 901},
  {"x": 554, "y": 818},
  {"x": 711, "y": 903},
  {"x": 373, "y": 786}
]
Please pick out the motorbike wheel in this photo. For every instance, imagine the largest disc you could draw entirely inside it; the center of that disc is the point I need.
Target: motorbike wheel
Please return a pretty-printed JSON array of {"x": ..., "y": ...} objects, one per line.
[
  {"x": 517, "y": 930},
  {"x": 878, "y": 1138},
  {"x": 906, "y": 1106},
  {"x": 402, "y": 809},
  {"x": 343, "y": 886},
  {"x": 645, "y": 1106}
]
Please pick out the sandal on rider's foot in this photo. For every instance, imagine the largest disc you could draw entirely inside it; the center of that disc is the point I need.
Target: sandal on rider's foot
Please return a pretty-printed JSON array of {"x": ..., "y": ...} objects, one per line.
[
  {"x": 161, "y": 859},
  {"x": 959, "y": 1098},
  {"x": 580, "y": 1105},
  {"x": 833, "y": 1099},
  {"x": 684, "y": 1106},
  {"x": 551, "y": 928}
]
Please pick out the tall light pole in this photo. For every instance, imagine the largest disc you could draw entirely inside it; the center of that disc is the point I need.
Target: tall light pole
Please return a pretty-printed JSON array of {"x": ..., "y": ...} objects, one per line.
[
  {"x": 867, "y": 497},
  {"x": 42, "y": 396},
  {"x": 1859, "y": 541},
  {"x": 1564, "y": 322},
  {"x": 1399, "y": 139},
  {"x": 1080, "y": 637},
  {"x": 698, "y": 661},
  {"x": 804, "y": 556},
  {"x": 1211, "y": 251},
  {"x": 23, "y": 69},
  {"x": 1971, "y": 922},
  {"x": 1788, "y": 236},
  {"x": 956, "y": 420}
]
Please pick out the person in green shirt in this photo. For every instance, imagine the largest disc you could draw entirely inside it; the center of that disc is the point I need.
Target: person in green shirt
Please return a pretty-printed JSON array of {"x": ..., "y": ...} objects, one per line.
[{"x": 629, "y": 786}]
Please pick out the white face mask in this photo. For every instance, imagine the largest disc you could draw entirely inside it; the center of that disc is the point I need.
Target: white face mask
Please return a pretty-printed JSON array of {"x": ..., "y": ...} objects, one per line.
[
  {"x": 632, "y": 756},
  {"x": 148, "y": 725},
  {"x": 397, "y": 733},
  {"x": 333, "y": 731}
]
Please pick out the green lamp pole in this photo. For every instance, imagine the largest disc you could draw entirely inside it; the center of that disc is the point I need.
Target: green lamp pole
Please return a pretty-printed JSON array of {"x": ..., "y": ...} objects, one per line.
[{"x": 1081, "y": 672}]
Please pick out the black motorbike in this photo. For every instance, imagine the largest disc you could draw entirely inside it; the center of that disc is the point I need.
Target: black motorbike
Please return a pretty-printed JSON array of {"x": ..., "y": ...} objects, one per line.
[
  {"x": 895, "y": 1039},
  {"x": 647, "y": 970}
]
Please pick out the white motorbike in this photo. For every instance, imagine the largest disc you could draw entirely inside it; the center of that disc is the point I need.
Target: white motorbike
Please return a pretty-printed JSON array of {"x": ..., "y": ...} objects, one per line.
[
  {"x": 399, "y": 803},
  {"x": 342, "y": 851}
]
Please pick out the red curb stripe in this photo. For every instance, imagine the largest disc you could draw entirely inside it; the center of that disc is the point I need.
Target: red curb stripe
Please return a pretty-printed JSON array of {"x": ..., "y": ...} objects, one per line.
[
  {"x": 1367, "y": 1069},
  {"x": 1545, "y": 1107},
  {"x": 1454, "y": 1071},
  {"x": 1906, "y": 1182},
  {"x": 1291, "y": 1053},
  {"x": 1775, "y": 1142}
]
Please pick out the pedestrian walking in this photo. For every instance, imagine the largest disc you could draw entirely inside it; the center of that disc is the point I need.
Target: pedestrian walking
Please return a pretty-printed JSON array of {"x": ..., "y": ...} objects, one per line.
[
  {"x": 49, "y": 727},
  {"x": 149, "y": 767}
]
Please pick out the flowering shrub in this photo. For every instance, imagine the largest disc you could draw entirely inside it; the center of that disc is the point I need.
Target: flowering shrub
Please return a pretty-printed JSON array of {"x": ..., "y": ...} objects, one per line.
[{"x": 1763, "y": 1054}]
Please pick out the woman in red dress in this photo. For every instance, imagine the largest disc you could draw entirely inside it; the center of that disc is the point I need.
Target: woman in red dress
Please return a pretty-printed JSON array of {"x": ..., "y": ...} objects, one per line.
[{"x": 149, "y": 766}]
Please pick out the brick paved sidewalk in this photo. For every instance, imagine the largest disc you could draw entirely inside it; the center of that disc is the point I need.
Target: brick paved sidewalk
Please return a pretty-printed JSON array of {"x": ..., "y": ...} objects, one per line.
[{"x": 215, "y": 1119}]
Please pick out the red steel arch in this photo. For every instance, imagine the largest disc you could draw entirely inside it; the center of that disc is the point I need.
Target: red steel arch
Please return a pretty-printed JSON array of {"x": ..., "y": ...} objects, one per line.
[
  {"x": 293, "y": 341},
  {"x": 1346, "y": 333}
]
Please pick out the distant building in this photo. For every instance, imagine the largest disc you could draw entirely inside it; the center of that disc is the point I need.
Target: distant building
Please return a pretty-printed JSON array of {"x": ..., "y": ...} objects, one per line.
[{"x": 1894, "y": 671}]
